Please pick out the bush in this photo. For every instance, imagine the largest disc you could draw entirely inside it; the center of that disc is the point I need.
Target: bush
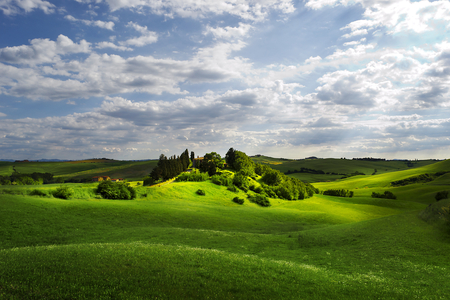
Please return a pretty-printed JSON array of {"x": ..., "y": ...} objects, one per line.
[
  {"x": 259, "y": 190},
  {"x": 63, "y": 192},
  {"x": 37, "y": 192},
  {"x": 148, "y": 181},
  {"x": 338, "y": 193},
  {"x": 386, "y": 195},
  {"x": 232, "y": 188},
  {"x": 238, "y": 200},
  {"x": 194, "y": 175},
  {"x": 259, "y": 199},
  {"x": 241, "y": 181},
  {"x": 201, "y": 192},
  {"x": 441, "y": 195},
  {"x": 221, "y": 180},
  {"x": 116, "y": 190}
]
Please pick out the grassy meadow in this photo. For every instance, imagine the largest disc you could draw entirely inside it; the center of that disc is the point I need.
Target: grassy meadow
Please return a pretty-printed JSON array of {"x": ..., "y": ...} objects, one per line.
[{"x": 171, "y": 243}]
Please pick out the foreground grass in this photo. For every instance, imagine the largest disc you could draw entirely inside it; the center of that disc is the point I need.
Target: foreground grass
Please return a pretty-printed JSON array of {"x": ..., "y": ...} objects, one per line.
[{"x": 171, "y": 243}]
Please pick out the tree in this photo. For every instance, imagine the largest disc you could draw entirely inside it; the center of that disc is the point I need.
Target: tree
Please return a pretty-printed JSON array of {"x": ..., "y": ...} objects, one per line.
[
  {"x": 243, "y": 163},
  {"x": 230, "y": 157}
]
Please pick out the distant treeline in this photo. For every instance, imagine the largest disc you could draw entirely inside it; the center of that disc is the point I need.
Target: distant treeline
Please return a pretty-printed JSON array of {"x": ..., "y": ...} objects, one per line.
[
  {"x": 169, "y": 167},
  {"x": 312, "y": 171},
  {"x": 422, "y": 178},
  {"x": 370, "y": 159},
  {"x": 26, "y": 179}
]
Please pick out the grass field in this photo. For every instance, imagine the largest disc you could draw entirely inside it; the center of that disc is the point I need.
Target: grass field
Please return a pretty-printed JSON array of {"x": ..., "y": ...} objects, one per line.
[
  {"x": 340, "y": 166},
  {"x": 131, "y": 170},
  {"x": 171, "y": 243}
]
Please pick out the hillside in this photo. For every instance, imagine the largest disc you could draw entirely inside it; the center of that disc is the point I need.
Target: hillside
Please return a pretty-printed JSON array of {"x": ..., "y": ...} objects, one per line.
[
  {"x": 131, "y": 170},
  {"x": 339, "y": 166},
  {"x": 172, "y": 243}
]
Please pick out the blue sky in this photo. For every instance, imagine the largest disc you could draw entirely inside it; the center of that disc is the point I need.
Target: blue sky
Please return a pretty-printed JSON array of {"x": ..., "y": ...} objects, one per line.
[{"x": 130, "y": 79}]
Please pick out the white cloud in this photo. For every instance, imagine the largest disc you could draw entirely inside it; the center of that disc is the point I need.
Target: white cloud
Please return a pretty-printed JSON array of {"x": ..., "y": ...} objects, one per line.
[
  {"x": 312, "y": 60},
  {"x": 102, "y": 75},
  {"x": 2, "y": 114},
  {"x": 105, "y": 25},
  {"x": 396, "y": 16},
  {"x": 13, "y": 7},
  {"x": 353, "y": 43},
  {"x": 245, "y": 9},
  {"x": 229, "y": 32},
  {"x": 351, "y": 52},
  {"x": 147, "y": 37},
  {"x": 42, "y": 51},
  {"x": 103, "y": 45}
]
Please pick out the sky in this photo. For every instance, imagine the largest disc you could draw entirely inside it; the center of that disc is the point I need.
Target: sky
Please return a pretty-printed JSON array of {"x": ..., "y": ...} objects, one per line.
[{"x": 131, "y": 79}]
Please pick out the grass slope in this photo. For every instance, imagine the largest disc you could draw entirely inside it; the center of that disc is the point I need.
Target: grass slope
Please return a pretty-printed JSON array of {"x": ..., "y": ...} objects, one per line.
[
  {"x": 340, "y": 166},
  {"x": 81, "y": 169},
  {"x": 171, "y": 243}
]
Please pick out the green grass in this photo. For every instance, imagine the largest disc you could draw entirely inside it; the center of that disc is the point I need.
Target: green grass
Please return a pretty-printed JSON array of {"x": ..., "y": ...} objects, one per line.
[
  {"x": 84, "y": 169},
  {"x": 340, "y": 166},
  {"x": 171, "y": 243}
]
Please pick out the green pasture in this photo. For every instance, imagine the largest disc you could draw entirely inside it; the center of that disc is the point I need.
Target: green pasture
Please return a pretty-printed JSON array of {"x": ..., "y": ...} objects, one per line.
[
  {"x": 171, "y": 243},
  {"x": 340, "y": 166},
  {"x": 130, "y": 170}
]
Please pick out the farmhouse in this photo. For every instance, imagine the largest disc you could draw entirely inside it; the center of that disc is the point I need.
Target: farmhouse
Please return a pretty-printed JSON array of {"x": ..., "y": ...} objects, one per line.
[
  {"x": 116, "y": 179},
  {"x": 197, "y": 161},
  {"x": 100, "y": 178}
]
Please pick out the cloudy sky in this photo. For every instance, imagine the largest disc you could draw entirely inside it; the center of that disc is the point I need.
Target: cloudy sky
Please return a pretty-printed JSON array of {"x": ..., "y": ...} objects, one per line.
[{"x": 130, "y": 79}]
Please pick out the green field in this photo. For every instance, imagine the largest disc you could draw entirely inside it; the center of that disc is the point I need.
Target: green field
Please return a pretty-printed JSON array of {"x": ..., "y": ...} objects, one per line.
[
  {"x": 131, "y": 170},
  {"x": 171, "y": 243}
]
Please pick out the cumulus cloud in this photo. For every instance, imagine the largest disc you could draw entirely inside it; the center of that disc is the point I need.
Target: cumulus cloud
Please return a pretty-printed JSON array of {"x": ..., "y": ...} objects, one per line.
[
  {"x": 147, "y": 37},
  {"x": 101, "y": 75},
  {"x": 395, "y": 16},
  {"x": 13, "y": 7},
  {"x": 229, "y": 32},
  {"x": 103, "y": 45},
  {"x": 42, "y": 51},
  {"x": 245, "y": 9},
  {"x": 105, "y": 25}
]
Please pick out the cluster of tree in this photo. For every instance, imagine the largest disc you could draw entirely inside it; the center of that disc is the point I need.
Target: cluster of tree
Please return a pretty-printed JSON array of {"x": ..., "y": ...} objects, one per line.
[
  {"x": 356, "y": 173},
  {"x": 210, "y": 163},
  {"x": 441, "y": 195},
  {"x": 240, "y": 162},
  {"x": 116, "y": 190},
  {"x": 370, "y": 159},
  {"x": 261, "y": 200},
  {"x": 170, "y": 167},
  {"x": 306, "y": 170},
  {"x": 276, "y": 184},
  {"x": 338, "y": 193},
  {"x": 27, "y": 179},
  {"x": 386, "y": 195},
  {"x": 422, "y": 178},
  {"x": 194, "y": 175}
]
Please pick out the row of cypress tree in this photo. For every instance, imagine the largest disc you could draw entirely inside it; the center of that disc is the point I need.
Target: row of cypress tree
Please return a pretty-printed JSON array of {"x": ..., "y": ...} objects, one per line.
[{"x": 170, "y": 167}]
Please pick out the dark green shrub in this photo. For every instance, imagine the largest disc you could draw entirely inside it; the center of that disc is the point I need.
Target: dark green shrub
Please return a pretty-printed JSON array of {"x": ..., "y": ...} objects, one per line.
[
  {"x": 148, "y": 181},
  {"x": 252, "y": 187},
  {"x": 201, "y": 192},
  {"x": 259, "y": 190},
  {"x": 386, "y": 195},
  {"x": 338, "y": 193},
  {"x": 194, "y": 175},
  {"x": 37, "y": 192},
  {"x": 238, "y": 200},
  {"x": 221, "y": 180},
  {"x": 441, "y": 195},
  {"x": 63, "y": 192},
  {"x": 259, "y": 199},
  {"x": 232, "y": 188},
  {"x": 116, "y": 190},
  {"x": 241, "y": 181}
]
